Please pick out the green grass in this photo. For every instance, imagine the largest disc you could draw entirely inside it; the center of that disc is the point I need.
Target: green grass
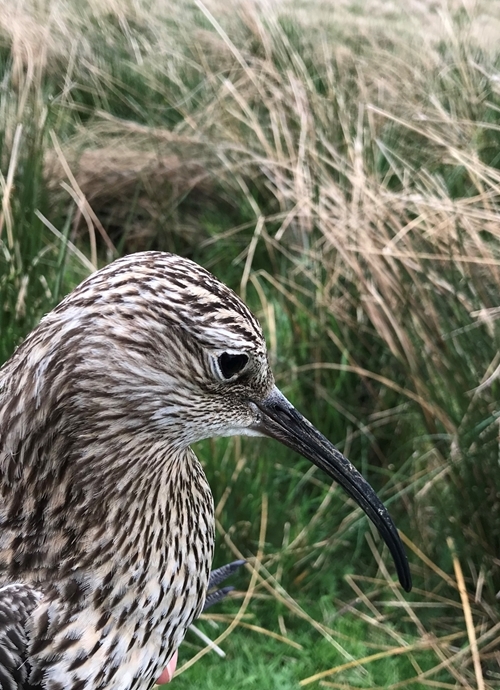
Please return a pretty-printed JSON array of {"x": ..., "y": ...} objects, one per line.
[
  {"x": 256, "y": 661},
  {"x": 340, "y": 169}
]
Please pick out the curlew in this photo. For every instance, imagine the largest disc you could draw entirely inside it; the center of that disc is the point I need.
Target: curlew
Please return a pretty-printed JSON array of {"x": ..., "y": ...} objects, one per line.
[{"x": 106, "y": 517}]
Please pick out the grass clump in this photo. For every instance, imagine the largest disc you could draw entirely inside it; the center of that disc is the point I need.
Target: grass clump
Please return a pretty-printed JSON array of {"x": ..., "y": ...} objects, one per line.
[{"x": 340, "y": 168}]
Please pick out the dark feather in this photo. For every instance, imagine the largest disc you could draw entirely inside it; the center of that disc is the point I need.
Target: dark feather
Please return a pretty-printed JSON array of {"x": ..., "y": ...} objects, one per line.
[{"x": 16, "y": 604}]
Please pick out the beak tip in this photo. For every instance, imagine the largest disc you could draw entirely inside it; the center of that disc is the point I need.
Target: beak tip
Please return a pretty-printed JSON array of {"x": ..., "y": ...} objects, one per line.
[
  {"x": 403, "y": 571},
  {"x": 407, "y": 584}
]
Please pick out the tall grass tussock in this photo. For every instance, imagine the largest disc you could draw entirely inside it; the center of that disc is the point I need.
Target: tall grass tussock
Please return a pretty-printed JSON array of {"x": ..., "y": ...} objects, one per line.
[{"x": 338, "y": 164}]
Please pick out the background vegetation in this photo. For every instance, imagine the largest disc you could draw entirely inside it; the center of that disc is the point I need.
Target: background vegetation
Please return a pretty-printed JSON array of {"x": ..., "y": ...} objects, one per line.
[{"x": 338, "y": 164}]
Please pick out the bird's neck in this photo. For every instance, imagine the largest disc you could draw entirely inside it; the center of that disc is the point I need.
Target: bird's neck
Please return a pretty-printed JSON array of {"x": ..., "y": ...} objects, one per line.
[
  {"x": 95, "y": 499},
  {"x": 148, "y": 564}
]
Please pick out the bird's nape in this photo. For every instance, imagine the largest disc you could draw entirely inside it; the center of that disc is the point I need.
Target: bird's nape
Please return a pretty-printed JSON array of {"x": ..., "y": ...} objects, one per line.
[{"x": 281, "y": 421}]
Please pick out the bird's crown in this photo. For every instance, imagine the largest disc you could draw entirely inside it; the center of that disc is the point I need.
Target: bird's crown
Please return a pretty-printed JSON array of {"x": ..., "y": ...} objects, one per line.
[{"x": 174, "y": 290}]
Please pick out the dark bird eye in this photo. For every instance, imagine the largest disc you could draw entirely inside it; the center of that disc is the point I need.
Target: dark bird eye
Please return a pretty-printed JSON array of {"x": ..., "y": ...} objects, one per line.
[{"x": 231, "y": 364}]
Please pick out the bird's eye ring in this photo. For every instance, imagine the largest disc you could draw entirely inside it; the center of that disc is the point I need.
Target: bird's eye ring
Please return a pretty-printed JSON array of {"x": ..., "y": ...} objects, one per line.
[{"x": 231, "y": 364}]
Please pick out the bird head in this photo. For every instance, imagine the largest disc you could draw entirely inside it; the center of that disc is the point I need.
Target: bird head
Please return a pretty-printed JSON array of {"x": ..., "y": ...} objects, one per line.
[{"x": 156, "y": 346}]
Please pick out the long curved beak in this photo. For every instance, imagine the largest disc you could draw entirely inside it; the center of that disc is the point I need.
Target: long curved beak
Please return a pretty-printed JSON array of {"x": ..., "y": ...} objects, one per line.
[{"x": 281, "y": 421}]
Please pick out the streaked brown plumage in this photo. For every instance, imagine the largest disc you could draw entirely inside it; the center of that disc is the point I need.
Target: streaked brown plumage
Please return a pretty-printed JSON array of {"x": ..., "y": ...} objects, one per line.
[
  {"x": 105, "y": 509},
  {"x": 17, "y": 603}
]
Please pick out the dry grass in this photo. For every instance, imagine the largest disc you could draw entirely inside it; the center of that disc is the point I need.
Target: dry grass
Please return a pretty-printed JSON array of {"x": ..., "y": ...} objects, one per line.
[{"x": 148, "y": 185}]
